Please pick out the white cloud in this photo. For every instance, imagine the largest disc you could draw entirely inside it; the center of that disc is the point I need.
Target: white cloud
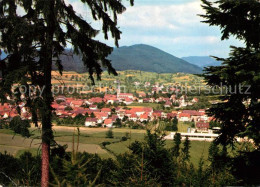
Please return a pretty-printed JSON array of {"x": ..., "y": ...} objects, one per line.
[
  {"x": 151, "y": 16},
  {"x": 173, "y": 27},
  {"x": 196, "y": 39},
  {"x": 164, "y": 40},
  {"x": 162, "y": 16}
]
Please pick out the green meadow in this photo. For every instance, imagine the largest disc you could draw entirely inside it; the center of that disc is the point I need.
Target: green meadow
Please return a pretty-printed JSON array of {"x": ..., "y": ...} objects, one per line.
[{"x": 90, "y": 140}]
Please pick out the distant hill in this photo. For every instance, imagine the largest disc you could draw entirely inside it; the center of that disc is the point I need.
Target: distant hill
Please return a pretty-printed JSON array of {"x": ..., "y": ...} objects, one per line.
[
  {"x": 202, "y": 61},
  {"x": 71, "y": 62},
  {"x": 148, "y": 58},
  {"x": 136, "y": 57}
]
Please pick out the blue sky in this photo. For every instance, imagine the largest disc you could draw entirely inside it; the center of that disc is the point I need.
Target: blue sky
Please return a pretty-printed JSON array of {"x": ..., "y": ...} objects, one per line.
[{"x": 170, "y": 25}]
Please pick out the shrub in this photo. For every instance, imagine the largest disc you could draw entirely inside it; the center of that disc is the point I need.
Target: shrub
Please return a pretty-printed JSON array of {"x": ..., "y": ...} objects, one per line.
[
  {"x": 124, "y": 138},
  {"x": 110, "y": 134},
  {"x": 105, "y": 143}
]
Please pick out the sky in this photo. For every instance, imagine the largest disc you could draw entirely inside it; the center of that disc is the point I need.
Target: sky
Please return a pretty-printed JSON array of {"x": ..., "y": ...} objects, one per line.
[{"x": 170, "y": 25}]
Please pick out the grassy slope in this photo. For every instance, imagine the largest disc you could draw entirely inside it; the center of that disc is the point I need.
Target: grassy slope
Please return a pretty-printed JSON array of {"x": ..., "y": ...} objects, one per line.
[{"x": 135, "y": 75}]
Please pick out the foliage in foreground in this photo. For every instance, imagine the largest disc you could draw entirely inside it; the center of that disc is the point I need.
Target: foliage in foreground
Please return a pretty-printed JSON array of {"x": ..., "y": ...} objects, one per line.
[{"x": 148, "y": 163}]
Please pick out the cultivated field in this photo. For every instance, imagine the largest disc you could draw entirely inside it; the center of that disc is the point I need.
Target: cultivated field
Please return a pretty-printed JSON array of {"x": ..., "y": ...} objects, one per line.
[
  {"x": 90, "y": 140},
  {"x": 130, "y": 75}
]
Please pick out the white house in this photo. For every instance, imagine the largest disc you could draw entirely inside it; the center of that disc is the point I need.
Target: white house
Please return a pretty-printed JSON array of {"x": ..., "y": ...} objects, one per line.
[
  {"x": 93, "y": 107},
  {"x": 90, "y": 122},
  {"x": 108, "y": 123},
  {"x": 184, "y": 117}
]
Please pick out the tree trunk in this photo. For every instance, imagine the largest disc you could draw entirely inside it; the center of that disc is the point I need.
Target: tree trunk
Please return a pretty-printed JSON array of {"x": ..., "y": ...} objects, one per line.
[
  {"x": 45, "y": 165},
  {"x": 47, "y": 135}
]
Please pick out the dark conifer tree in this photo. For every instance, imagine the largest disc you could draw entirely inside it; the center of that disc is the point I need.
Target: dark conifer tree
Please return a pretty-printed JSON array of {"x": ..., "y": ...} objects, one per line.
[
  {"x": 177, "y": 144},
  {"x": 34, "y": 40},
  {"x": 175, "y": 124},
  {"x": 186, "y": 149},
  {"x": 159, "y": 161},
  {"x": 213, "y": 154},
  {"x": 240, "y": 115}
]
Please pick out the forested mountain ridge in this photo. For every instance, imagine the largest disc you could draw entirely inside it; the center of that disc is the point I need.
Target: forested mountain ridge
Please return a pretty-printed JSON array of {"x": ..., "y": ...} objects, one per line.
[{"x": 137, "y": 57}]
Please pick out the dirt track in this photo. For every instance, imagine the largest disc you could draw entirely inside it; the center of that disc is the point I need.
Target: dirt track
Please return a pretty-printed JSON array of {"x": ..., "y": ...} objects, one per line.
[
  {"x": 82, "y": 129},
  {"x": 95, "y": 130}
]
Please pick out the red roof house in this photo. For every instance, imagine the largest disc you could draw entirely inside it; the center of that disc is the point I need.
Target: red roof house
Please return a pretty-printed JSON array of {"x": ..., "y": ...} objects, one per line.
[
  {"x": 108, "y": 122},
  {"x": 184, "y": 117},
  {"x": 91, "y": 122},
  {"x": 108, "y": 110},
  {"x": 202, "y": 126}
]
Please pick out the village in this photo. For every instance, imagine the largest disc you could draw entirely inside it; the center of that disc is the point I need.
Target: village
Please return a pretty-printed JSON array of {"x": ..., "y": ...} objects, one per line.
[{"x": 109, "y": 109}]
